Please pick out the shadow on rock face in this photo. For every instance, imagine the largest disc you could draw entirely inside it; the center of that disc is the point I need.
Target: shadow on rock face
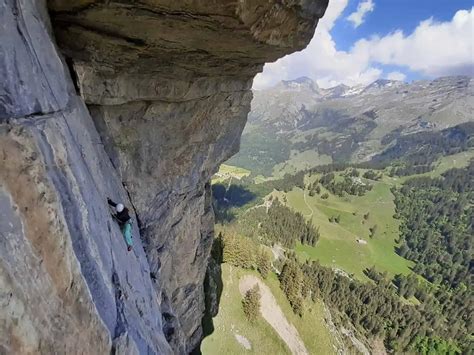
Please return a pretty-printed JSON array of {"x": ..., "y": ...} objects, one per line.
[{"x": 213, "y": 287}]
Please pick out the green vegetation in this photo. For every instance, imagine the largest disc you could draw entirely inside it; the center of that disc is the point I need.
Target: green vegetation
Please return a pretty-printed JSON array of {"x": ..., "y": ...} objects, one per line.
[
  {"x": 372, "y": 175},
  {"x": 437, "y": 226},
  {"x": 300, "y": 161},
  {"x": 459, "y": 160},
  {"x": 350, "y": 184},
  {"x": 236, "y": 250},
  {"x": 233, "y": 199},
  {"x": 376, "y": 311},
  {"x": 337, "y": 245},
  {"x": 416, "y": 153},
  {"x": 251, "y": 304},
  {"x": 260, "y": 151},
  {"x": 229, "y": 171},
  {"x": 263, "y": 262},
  {"x": 316, "y": 336},
  {"x": 233, "y": 170},
  {"x": 367, "y": 306},
  {"x": 277, "y": 223},
  {"x": 433, "y": 346},
  {"x": 392, "y": 256},
  {"x": 291, "y": 282},
  {"x": 231, "y": 320}
]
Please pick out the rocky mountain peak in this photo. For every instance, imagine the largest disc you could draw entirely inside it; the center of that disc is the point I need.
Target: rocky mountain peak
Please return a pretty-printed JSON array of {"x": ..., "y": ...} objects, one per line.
[
  {"x": 346, "y": 121},
  {"x": 383, "y": 84},
  {"x": 300, "y": 84},
  {"x": 336, "y": 91}
]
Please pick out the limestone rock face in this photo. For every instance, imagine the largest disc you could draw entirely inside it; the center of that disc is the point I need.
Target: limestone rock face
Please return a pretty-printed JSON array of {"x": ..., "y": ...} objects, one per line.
[{"x": 141, "y": 103}]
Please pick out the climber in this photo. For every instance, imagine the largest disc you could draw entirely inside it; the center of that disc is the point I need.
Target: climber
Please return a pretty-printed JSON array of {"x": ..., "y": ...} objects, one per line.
[{"x": 124, "y": 220}]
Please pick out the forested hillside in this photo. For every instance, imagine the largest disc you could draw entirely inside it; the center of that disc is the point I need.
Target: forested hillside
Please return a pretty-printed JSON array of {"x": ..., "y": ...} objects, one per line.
[
  {"x": 437, "y": 226},
  {"x": 426, "y": 309},
  {"x": 366, "y": 200},
  {"x": 276, "y": 223}
]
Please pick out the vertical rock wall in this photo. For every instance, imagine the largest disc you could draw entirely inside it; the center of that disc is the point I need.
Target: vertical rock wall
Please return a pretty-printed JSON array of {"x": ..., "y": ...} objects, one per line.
[{"x": 167, "y": 85}]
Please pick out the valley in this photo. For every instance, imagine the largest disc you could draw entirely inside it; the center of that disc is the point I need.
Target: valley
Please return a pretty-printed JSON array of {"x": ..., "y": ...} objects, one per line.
[
  {"x": 341, "y": 225},
  {"x": 297, "y": 125},
  {"x": 232, "y": 177},
  {"x": 338, "y": 246}
]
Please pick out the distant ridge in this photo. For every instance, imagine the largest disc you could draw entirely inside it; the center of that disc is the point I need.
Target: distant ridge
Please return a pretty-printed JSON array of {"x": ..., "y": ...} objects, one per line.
[{"x": 296, "y": 124}]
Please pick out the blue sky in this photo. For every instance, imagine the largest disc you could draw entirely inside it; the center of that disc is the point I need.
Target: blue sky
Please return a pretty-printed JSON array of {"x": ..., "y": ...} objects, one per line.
[
  {"x": 359, "y": 41},
  {"x": 391, "y": 15}
]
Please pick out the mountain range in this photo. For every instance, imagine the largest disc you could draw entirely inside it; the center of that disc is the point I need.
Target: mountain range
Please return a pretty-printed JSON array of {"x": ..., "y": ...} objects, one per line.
[{"x": 296, "y": 124}]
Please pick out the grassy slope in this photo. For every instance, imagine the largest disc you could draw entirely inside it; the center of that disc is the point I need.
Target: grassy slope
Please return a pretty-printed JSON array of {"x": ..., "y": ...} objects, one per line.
[
  {"x": 234, "y": 170},
  {"x": 300, "y": 161},
  {"x": 337, "y": 246},
  {"x": 459, "y": 160},
  {"x": 231, "y": 320},
  {"x": 226, "y": 171},
  {"x": 263, "y": 338},
  {"x": 311, "y": 327}
]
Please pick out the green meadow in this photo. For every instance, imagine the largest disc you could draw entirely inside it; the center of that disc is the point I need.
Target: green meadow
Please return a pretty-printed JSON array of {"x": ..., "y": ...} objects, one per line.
[
  {"x": 338, "y": 246},
  {"x": 264, "y": 340},
  {"x": 229, "y": 171},
  {"x": 231, "y": 321}
]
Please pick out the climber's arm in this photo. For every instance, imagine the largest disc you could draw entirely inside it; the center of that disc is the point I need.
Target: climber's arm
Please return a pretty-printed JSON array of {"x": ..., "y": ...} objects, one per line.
[{"x": 111, "y": 203}]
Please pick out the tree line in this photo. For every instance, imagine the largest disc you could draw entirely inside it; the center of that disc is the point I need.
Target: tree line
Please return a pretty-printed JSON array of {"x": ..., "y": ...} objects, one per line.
[
  {"x": 415, "y": 153},
  {"x": 349, "y": 184},
  {"x": 230, "y": 247},
  {"x": 375, "y": 309},
  {"x": 278, "y": 224}
]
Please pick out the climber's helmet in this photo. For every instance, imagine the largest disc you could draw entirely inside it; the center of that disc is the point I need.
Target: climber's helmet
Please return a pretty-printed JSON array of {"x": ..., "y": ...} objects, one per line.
[{"x": 119, "y": 208}]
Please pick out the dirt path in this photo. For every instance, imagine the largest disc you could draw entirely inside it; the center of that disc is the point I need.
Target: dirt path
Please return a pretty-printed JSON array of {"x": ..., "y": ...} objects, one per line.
[
  {"x": 307, "y": 205},
  {"x": 273, "y": 314},
  {"x": 267, "y": 204}
]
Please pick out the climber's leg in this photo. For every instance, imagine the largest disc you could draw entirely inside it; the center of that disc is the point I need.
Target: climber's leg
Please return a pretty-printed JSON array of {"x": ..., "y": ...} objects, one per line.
[{"x": 127, "y": 234}]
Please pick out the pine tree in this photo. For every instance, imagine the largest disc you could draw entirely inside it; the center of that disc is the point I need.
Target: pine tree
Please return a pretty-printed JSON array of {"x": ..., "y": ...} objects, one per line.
[
  {"x": 263, "y": 262},
  {"x": 238, "y": 251},
  {"x": 291, "y": 282},
  {"x": 251, "y": 304}
]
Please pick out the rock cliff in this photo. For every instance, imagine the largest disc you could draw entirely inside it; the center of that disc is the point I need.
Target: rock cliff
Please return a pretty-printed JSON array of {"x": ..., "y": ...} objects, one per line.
[{"x": 138, "y": 101}]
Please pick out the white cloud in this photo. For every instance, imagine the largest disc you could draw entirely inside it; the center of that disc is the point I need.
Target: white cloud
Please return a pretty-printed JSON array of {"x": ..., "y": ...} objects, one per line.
[
  {"x": 302, "y": 63},
  {"x": 396, "y": 75},
  {"x": 333, "y": 12},
  {"x": 432, "y": 49},
  {"x": 357, "y": 17}
]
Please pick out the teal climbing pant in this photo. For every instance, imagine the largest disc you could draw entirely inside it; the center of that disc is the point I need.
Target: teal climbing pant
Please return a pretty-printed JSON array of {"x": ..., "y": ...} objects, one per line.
[{"x": 127, "y": 233}]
